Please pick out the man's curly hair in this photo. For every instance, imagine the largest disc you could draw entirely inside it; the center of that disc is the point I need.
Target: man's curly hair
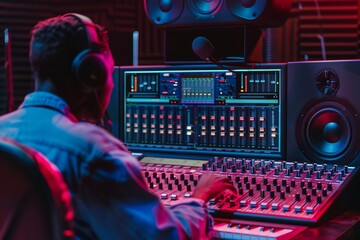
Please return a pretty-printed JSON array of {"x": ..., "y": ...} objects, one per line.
[{"x": 54, "y": 44}]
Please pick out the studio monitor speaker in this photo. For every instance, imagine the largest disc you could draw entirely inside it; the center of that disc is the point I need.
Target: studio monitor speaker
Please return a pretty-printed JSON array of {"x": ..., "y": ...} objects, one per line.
[
  {"x": 323, "y": 108},
  {"x": 177, "y": 13}
]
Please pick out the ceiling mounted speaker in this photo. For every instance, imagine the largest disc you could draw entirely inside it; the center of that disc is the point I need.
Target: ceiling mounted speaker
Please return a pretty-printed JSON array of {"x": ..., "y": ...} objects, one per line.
[
  {"x": 163, "y": 12},
  {"x": 247, "y": 9},
  {"x": 260, "y": 11},
  {"x": 206, "y": 6},
  {"x": 176, "y": 13}
]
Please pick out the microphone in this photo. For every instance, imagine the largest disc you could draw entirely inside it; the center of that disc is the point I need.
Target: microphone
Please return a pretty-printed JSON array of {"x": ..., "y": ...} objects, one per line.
[{"x": 204, "y": 49}]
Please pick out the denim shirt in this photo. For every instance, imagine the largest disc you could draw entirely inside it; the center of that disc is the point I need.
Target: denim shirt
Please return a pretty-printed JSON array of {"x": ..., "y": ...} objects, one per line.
[{"x": 109, "y": 194}]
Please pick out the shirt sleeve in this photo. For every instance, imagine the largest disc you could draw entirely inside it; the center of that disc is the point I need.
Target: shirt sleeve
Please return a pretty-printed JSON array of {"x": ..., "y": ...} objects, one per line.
[{"x": 115, "y": 200}]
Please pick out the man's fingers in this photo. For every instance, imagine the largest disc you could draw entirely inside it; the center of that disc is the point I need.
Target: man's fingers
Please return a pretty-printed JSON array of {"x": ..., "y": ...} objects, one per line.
[{"x": 228, "y": 184}]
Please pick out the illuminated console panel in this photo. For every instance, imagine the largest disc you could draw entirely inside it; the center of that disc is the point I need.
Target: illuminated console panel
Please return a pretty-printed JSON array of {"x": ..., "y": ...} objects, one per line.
[
  {"x": 201, "y": 110},
  {"x": 190, "y": 120}
]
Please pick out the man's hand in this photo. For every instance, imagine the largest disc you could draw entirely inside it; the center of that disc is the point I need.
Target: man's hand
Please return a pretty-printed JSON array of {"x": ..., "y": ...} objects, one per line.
[{"x": 211, "y": 185}]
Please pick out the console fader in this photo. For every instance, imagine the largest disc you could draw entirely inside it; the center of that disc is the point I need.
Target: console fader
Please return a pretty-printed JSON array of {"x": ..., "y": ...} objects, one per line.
[{"x": 291, "y": 192}]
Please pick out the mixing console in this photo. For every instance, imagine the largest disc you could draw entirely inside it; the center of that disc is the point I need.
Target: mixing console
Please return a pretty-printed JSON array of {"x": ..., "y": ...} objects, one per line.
[
  {"x": 291, "y": 192},
  {"x": 203, "y": 111}
]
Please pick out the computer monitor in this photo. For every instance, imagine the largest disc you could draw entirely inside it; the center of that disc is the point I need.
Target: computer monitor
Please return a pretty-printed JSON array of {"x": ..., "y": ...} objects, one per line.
[{"x": 198, "y": 110}]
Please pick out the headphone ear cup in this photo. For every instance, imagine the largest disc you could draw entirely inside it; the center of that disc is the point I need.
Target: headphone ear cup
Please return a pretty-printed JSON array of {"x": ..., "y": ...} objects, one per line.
[{"x": 89, "y": 70}]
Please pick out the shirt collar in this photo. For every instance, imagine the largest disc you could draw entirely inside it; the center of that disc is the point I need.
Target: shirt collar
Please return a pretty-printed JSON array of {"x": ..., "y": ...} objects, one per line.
[{"x": 48, "y": 100}]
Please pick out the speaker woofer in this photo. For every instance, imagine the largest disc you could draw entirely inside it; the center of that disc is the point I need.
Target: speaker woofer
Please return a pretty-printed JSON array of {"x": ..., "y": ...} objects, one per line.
[
  {"x": 248, "y": 10},
  {"x": 206, "y": 6},
  {"x": 163, "y": 11},
  {"x": 327, "y": 132}
]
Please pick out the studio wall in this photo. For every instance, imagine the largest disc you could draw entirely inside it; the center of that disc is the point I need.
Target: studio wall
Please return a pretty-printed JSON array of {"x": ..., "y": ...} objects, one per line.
[{"x": 336, "y": 22}]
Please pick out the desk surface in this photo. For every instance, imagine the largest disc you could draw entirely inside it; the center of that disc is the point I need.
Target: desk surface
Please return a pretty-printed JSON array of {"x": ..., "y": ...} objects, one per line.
[{"x": 345, "y": 226}]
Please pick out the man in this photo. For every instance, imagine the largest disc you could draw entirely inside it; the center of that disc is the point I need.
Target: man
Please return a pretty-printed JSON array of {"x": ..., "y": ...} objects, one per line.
[{"x": 72, "y": 67}]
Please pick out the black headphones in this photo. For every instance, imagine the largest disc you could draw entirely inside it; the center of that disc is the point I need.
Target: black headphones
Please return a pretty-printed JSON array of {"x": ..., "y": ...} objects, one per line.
[{"x": 89, "y": 66}]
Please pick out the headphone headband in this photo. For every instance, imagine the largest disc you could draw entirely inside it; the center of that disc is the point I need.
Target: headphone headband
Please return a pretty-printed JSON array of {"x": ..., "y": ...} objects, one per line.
[
  {"x": 89, "y": 66},
  {"x": 89, "y": 26}
]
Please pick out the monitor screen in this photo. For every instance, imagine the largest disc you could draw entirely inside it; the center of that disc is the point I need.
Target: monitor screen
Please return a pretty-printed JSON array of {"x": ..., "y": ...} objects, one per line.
[{"x": 200, "y": 110}]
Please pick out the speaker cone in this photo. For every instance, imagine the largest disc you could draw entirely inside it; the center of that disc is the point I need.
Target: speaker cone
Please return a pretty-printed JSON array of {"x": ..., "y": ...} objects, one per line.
[
  {"x": 163, "y": 11},
  {"x": 246, "y": 9},
  {"x": 206, "y": 6},
  {"x": 327, "y": 132}
]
